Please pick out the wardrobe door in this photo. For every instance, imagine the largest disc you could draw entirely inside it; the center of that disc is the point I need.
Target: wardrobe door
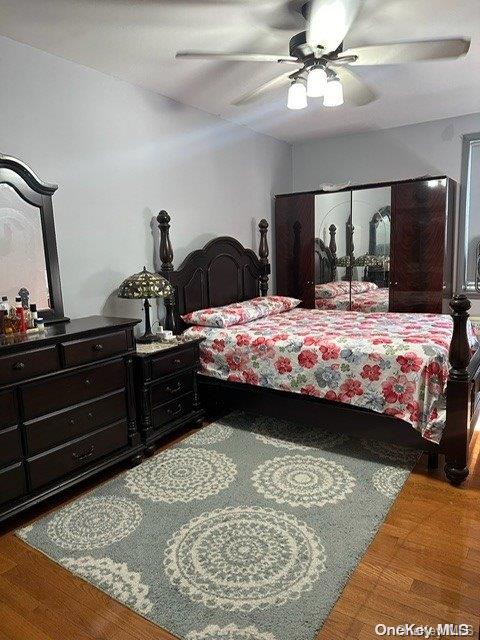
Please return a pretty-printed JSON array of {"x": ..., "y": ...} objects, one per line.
[
  {"x": 333, "y": 250},
  {"x": 371, "y": 230},
  {"x": 294, "y": 243},
  {"x": 419, "y": 232}
]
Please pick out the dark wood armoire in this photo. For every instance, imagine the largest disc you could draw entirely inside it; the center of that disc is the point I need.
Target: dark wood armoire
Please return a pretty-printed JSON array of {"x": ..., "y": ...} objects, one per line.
[{"x": 395, "y": 236}]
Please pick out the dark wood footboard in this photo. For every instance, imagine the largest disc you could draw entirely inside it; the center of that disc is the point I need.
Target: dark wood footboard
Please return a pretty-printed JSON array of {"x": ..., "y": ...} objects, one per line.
[{"x": 462, "y": 385}]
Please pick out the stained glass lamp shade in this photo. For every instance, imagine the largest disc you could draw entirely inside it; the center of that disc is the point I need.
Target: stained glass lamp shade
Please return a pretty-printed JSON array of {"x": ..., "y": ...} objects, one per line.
[{"x": 145, "y": 285}]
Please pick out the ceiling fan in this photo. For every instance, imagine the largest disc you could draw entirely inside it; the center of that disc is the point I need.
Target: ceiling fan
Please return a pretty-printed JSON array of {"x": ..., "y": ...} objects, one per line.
[{"x": 322, "y": 67}]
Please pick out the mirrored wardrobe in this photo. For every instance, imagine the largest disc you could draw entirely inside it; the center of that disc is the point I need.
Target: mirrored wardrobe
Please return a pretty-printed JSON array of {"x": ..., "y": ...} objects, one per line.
[{"x": 382, "y": 247}]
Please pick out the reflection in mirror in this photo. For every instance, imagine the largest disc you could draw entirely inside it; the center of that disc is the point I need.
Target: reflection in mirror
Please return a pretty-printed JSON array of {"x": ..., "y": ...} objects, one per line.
[
  {"x": 22, "y": 252},
  {"x": 332, "y": 251},
  {"x": 371, "y": 221}
]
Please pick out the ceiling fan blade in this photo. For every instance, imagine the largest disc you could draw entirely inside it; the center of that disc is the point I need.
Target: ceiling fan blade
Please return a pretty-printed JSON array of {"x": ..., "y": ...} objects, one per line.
[
  {"x": 277, "y": 82},
  {"x": 236, "y": 57},
  {"x": 329, "y": 22},
  {"x": 402, "y": 52},
  {"x": 356, "y": 91}
]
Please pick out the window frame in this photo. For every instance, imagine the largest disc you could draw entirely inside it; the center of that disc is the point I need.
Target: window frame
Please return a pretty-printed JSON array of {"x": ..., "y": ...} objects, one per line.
[{"x": 464, "y": 217}]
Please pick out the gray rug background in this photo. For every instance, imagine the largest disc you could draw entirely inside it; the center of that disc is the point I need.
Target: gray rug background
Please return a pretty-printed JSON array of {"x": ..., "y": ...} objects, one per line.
[{"x": 196, "y": 538}]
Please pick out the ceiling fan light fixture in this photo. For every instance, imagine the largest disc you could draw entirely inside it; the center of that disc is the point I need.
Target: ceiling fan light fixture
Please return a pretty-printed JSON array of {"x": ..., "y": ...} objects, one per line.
[
  {"x": 297, "y": 95},
  {"x": 333, "y": 93},
  {"x": 316, "y": 82}
]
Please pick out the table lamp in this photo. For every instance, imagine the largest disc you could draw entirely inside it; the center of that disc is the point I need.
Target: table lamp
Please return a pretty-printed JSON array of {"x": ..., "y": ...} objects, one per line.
[{"x": 145, "y": 285}]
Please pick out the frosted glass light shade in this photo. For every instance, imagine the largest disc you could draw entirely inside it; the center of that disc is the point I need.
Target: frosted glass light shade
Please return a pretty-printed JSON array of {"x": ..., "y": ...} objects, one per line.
[
  {"x": 297, "y": 95},
  {"x": 316, "y": 82},
  {"x": 333, "y": 93}
]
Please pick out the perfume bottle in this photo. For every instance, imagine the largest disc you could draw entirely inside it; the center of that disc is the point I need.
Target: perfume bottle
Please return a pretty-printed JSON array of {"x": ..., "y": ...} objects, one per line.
[
  {"x": 20, "y": 314},
  {"x": 32, "y": 317}
]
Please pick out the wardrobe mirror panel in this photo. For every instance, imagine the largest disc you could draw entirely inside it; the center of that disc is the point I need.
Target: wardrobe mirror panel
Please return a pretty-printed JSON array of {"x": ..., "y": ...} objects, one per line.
[
  {"x": 332, "y": 251},
  {"x": 370, "y": 249}
]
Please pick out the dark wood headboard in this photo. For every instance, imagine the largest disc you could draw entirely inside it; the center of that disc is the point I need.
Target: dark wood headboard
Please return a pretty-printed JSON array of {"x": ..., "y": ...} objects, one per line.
[
  {"x": 326, "y": 258},
  {"x": 220, "y": 273}
]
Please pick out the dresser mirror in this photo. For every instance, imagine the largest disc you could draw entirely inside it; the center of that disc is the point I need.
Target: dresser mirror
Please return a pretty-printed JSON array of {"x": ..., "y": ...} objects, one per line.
[
  {"x": 28, "y": 248},
  {"x": 352, "y": 249}
]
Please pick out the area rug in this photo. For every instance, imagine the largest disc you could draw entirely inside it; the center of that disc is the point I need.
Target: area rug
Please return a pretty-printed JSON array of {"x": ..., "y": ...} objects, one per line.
[{"x": 246, "y": 530}]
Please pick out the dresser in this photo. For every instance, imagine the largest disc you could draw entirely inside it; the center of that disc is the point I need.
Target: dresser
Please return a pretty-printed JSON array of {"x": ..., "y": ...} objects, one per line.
[
  {"x": 67, "y": 407},
  {"x": 166, "y": 389}
]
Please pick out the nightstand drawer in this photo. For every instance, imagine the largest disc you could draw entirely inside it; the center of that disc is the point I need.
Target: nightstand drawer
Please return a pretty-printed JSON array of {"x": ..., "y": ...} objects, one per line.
[
  {"x": 171, "y": 362},
  {"x": 167, "y": 390},
  {"x": 8, "y": 409},
  {"x": 56, "y": 428},
  {"x": 12, "y": 482},
  {"x": 28, "y": 364},
  {"x": 56, "y": 393},
  {"x": 10, "y": 447},
  {"x": 172, "y": 410},
  {"x": 92, "y": 349},
  {"x": 61, "y": 461}
]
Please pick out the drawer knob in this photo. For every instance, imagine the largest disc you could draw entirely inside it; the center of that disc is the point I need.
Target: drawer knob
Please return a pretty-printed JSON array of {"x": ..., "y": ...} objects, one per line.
[
  {"x": 87, "y": 382},
  {"x": 90, "y": 415},
  {"x": 98, "y": 347},
  {"x": 177, "y": 361},
  {"x": 175, "y": 389},
  {"x": 18, "y": 366},
  {"x": 175, "y": 412},
  {"x": 71, "y": 421},
  {"x": 83, "y": 455}
]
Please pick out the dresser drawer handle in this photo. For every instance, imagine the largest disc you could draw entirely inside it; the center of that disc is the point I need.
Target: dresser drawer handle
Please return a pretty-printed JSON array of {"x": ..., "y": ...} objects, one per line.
[
  {"x": 175, "y": 412},
  {"x": 83, "y": 455},
  {"x": 87, "y": 382},
  {"x": 177, "y": 362},
  {"x": 98, "y": 347},
  {"x": 90, "y": 415},
  {"x": 18, "y": 366},
  {"x": 71, "y": 422},
  {"x": 174, "y": 389}
]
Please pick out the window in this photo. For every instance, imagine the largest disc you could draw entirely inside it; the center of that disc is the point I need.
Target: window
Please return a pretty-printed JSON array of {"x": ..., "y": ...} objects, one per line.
[{"x": 469, "y": 230}]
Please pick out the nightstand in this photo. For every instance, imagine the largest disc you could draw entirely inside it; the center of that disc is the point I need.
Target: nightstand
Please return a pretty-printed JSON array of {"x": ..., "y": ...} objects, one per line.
[{"x": 166, "y": 389}]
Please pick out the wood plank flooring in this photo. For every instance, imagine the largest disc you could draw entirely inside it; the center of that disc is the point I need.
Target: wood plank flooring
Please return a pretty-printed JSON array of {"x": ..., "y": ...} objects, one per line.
[{"x": 423, "y": 567}]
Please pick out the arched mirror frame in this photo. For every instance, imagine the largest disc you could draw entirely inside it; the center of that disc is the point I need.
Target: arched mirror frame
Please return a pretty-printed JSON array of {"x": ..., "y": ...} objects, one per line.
[{"x": 30, "y": 188}]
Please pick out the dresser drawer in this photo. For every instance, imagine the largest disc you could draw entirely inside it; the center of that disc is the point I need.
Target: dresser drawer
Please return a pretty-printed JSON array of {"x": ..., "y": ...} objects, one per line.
[
  {"x": 12, "y": 483},
  {"x": 28, "y": 364},
  {"x": 66, "y": 459},
  {"x": 172, "y": 410},
  {"x": 167, "y": 390},
  {"x": 50, "y": 431},
  {"x": 10, "y": 447},
  {"x": 169, "y": 363},
  {"x": 8, "y": 409},
  {"x": 92, "y": 349},
  {"x": 59, "y": 392}
]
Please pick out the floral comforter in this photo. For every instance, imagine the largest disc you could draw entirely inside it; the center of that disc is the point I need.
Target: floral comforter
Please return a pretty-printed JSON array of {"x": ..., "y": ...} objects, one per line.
[
  {"x": 388, "y": 362},
  {"x": 376, "y": 300}
]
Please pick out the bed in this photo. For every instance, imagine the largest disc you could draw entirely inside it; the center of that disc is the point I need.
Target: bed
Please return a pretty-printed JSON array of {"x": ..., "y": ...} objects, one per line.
[
  {"x": 373, "y": 299},
  {"x": 224, "y": 272}
]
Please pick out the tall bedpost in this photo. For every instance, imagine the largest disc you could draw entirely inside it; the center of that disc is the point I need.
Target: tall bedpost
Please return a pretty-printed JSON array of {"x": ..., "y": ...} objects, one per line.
[
  {"x": 332, "y": 229},
  {"x": 166, "y": 268},
  {"x": 458, "y": 394},
  {"x": 263, "y": 255}
]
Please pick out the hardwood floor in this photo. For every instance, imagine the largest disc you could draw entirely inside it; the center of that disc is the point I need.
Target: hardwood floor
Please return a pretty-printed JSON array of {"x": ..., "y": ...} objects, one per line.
[{"x": 423, "y": 567}]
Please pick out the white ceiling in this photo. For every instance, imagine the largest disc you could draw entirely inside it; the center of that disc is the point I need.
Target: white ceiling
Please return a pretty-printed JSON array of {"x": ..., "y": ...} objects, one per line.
[{"x": 137, "y": 40}]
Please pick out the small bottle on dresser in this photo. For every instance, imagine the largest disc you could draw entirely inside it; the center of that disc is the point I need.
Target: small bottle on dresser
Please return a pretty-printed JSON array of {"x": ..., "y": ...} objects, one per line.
[{"x": 20, "y": 313}]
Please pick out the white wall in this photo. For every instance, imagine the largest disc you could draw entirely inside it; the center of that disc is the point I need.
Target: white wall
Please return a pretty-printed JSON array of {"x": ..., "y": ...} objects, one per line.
[
  {"x": 433, "y": 148},
  {"x": 119, "y": 154}
]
